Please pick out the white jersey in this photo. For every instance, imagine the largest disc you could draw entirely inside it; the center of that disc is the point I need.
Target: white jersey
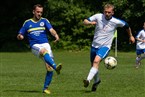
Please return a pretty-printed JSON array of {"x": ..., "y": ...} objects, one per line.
[
  {"x": 104, "y": 30},
  {"x": 139, "y": 44}
]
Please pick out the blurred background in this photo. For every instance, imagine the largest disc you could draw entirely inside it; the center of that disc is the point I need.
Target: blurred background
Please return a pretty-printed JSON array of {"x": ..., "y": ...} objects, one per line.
[{"x": 66, "y": 16}]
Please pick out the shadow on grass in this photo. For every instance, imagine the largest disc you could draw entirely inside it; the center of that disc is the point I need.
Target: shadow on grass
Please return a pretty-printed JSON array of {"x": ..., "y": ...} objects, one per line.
[
  {"x": 80, "y": 91},
  {"x": 88, "y": 91},
  {"x": 24, "y": 91}
]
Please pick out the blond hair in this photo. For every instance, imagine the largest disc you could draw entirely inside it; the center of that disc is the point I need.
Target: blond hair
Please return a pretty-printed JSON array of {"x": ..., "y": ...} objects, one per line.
[{"x": 109, "y": 6}]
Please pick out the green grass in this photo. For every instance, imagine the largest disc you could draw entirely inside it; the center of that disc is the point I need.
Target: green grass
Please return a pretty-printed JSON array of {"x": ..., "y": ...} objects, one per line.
[{"x": 22, "y": 75}]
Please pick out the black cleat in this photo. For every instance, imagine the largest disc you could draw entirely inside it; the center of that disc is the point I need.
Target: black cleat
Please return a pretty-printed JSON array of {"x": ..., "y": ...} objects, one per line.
[
  {"x": 58, "y": 68},
  {"x": 94, "y": 87},
  {"x": 86, "y": 83}
]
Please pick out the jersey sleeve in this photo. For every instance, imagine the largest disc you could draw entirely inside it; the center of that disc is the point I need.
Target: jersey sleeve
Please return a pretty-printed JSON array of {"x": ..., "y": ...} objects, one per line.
[
  {"x": 47, "y": 24},
  {"x": 93, "y": 18},
  {"x": 122, "y": 23},
  {"x": 23, "y": 29},
  {"x": 139, "y": 34}
]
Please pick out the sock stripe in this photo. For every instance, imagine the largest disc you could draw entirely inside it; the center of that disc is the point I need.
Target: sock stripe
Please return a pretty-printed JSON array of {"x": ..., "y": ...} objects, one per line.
[{"x": 44, "y": 53}]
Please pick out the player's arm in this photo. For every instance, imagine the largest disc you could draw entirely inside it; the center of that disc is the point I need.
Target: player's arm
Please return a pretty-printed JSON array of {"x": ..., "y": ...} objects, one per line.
[
  {"x": 54, "y": 33},
  {"x": 138, "y": 37},
  {"x": 88, "y": 22},
  {"x": 131, "y": 38},
  {"x": 20, "y": 37},
  {"x": 22, "y": 32},
  {"x": 128, "y": 29},
  {"x": 51, "y": 30}
]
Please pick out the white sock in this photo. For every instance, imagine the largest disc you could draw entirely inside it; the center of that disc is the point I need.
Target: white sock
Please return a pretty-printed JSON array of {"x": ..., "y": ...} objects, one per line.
[
  {"x": 92, "y": 73},
  {"x": 138, "y": 59}
]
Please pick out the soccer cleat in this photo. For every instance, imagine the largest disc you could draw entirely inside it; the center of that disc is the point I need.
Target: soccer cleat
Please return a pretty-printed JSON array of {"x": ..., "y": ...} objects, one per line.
[
  {"x": 58, "y": 68},
  {"x": 94, "y": 87},
  {"x": 46, "y": 91},
  {"x": 86, "y": 83}
]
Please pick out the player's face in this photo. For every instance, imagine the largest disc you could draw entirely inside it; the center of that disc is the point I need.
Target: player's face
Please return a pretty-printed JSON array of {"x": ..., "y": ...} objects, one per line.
[
  {"x": 38, "y": 12},
  {"x": 108, "y": 12}
]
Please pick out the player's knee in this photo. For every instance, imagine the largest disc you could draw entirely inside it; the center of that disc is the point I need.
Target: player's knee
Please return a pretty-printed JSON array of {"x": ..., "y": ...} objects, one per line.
[
  {"x": 49, "y": 68},
  {"x": 43, "y": 51},
  {"x": 96, "y": 62}
]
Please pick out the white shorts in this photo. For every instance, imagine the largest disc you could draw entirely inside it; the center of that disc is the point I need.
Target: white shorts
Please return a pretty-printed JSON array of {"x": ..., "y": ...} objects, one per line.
[{"x": 37, "y": 47}]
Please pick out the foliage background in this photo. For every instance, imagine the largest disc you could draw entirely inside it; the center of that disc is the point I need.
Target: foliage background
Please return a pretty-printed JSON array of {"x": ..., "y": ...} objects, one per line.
[{"x": 67, "y": 16}]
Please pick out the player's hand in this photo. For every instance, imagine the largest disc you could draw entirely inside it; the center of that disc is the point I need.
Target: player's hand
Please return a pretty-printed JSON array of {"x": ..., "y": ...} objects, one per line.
[
  {"x": 132, "y": 39},
  {"x": 93, "y": 23},
  {"x": 20, "y": 37},
  {"x": 56, "y": 38},
  {"x": 143, "y": 41}
]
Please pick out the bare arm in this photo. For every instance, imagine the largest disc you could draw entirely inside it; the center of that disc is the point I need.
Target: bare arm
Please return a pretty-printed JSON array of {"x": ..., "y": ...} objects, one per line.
[
  {"x": 141, "y": 40},
  {"x": 131, "y": 38},
  {"x": 54, "y": 33},
  {"x": 87, "y": 22}
]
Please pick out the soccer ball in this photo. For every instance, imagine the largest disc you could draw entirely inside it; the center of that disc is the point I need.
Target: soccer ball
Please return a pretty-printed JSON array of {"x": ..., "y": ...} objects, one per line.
[{"x": 110, "y": 62}]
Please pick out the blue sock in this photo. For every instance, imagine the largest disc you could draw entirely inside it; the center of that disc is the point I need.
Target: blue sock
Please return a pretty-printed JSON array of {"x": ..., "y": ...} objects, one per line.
[
  {"x": 48, "y": 79},
  {"x": 49, "y": 60}
]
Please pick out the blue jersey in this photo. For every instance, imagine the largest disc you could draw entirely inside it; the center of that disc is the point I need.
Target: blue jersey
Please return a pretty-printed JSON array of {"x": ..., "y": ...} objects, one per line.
[{"x": 36, "y": 31}]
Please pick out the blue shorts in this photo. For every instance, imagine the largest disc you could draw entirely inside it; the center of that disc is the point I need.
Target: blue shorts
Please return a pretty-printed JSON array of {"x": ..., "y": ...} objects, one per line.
[
  {"x": 140, "y": 51},
  {"x": 102, "y": 52}
]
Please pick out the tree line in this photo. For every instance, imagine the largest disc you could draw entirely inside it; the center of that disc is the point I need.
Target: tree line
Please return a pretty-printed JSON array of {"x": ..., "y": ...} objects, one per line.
[{"x": 67, "y": 17}]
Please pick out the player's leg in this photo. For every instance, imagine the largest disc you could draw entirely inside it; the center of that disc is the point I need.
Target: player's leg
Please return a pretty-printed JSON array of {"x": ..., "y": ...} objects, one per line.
[
  {"x": 40, "y": 51},
  {"x": 93, "y": 71},
  {"x": 143, "y": 54},
  {"x": 47, "y": 58},
  {"x": 48, "y": 79},
  {"x": 138, "y": 57},
  {"x": 97, "y": 81},
  {"x": 95, "y": 60},
  {"x": 47, "y": 54},
  {"x": 50, "y": 61},
  {"x": 90, "y": 75},
  {"x": 44, "y": 50},
  {"x": 96, "y": 56},
  {"x": 103, "y": 52}
]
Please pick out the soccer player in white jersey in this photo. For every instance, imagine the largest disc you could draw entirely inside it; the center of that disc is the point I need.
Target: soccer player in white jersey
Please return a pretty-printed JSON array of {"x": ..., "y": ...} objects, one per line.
[
  {"x": 140, "y": 46},
  {"x": 106, "y": 25},
  {"x": 35, "y": 29}
]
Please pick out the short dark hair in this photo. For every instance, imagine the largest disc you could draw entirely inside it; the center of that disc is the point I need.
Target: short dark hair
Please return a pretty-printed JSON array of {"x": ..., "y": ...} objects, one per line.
[{"x": 37, "y": 5}]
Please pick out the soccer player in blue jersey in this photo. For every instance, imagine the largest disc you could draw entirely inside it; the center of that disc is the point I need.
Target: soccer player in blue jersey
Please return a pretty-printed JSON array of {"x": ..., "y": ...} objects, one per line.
[
  {"x": 140, "y": 46},
  {"x": 106, "y": 25},
  {"x": 35, "y": 29}
]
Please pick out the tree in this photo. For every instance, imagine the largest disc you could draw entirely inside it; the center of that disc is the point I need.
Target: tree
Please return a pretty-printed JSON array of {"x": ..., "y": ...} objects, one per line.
[{"x": 67, "y": 17}]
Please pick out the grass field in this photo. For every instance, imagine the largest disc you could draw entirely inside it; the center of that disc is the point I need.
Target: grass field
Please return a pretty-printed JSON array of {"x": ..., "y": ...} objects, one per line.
[{"x": 22, "y": 75}]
